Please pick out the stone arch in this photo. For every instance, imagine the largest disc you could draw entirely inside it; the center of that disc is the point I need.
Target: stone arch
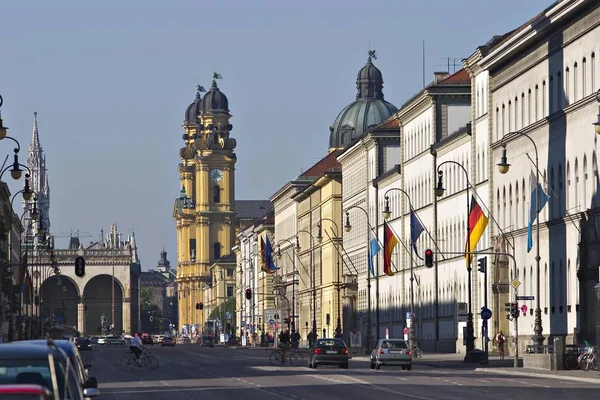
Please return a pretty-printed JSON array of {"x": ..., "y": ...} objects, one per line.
[
  {"x": 59, "y": 299},
  {"x": 97, "y": 295}
]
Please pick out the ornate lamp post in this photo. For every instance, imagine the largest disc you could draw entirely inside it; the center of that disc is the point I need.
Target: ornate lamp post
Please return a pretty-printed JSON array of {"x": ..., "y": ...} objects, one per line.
[
  {"x": 503, "y": 167},
  {"x": 314, "y": 286},
  {"x": 295, "y": 272},
  {"x": 439, "y": 192}
]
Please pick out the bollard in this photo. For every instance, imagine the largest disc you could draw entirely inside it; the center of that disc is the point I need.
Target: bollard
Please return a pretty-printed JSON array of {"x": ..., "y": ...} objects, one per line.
[{"x": 559, "y": 352}]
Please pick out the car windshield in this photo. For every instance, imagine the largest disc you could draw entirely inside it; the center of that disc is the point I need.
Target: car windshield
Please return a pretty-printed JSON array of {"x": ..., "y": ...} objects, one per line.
[
  {"x": 83, "y": 341},
  {"x": 36, "y": 372},
  {"x": 330, "y": 343},
  {"x": 394, "y": 344}
]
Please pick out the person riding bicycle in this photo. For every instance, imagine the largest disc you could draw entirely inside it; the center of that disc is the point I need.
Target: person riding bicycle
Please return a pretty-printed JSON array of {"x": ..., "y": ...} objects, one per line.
[
  {"x": 500, "y": 339},
  {"x": 284, "y": 340},
  {"x": 136, "y": 347}
]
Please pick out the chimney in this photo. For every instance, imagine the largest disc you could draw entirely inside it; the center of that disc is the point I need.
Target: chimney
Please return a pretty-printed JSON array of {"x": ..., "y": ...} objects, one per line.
[{"x": 438, "y": 76}]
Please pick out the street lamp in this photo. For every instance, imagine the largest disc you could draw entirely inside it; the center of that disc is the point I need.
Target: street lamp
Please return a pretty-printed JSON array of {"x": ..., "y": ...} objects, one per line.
[
  {"x": 439, "y": 192},
  {"x": 503, "y": 167},
  {"x": 596, "y": 124},
  {"x": 387, "y": 214},
  {"x": 314, "y": 285},
  {"x": 338, "y": 328},
  {"x": 294, "y": 272},
  {"x": 348, "y": 228}
]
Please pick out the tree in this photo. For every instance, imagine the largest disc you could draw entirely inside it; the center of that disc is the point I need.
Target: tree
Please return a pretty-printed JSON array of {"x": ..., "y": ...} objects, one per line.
[
  {"x": 147, "y": 309},
  {"x": 221, "y": 310}
]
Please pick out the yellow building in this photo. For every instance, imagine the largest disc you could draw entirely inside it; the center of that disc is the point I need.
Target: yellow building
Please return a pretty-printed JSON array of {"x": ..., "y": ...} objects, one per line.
[
  {"x": 205, "y": 210},
  {"x": 320, "y": 252}
]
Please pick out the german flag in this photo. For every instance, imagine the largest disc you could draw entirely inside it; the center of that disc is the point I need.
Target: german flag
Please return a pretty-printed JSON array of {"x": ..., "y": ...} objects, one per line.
[
  {"x": 477, "y": 224},
  {"x": 389, "y": 242},
  {"x": 263, "y": 264}
]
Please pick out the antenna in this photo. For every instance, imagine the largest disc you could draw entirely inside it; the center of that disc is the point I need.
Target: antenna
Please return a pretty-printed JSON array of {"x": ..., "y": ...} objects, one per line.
[
  {"x": 423, "y": 63},
  {"x": 450, "y": 61}
]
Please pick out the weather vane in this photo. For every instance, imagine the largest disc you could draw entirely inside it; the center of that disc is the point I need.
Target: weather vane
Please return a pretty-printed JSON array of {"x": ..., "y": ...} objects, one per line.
[
  {"x": 216, "y": 75},
  {"x": 372, "y": 54},
  {"x": 200, "y": 89}
]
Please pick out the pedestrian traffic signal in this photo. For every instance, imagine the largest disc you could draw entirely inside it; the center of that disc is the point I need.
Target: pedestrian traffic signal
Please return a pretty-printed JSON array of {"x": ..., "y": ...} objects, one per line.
[
  {"x": 197, "y": 306},
  {"x": 327, "y": 319},
  {"x": 80, "y": 266},
  {"x": 514, "y": 310},
  {"x": 428, "y": 258},
  {"x": 248, "y": 294},
  {"x": 482, "y": 265}
]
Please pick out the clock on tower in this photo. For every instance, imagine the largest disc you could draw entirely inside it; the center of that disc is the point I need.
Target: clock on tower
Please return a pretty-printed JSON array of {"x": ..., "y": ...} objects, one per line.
[{"x": 216, "y": 175}]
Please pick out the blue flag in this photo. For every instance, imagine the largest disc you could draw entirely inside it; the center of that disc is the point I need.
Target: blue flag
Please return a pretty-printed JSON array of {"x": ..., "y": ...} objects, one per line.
[
  {"x": 374, "y": 248},
  {"x": 269, "y": 263},
  {"x": 536, "y": 189},
  {"x": 416, "y": 228}
]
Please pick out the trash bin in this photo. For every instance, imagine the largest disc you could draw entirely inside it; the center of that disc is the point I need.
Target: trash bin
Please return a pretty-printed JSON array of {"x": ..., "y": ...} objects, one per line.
[{"x": 476, "y": 356}]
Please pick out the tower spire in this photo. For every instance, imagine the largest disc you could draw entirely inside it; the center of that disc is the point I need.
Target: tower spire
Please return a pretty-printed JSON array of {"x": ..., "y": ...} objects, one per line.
[{"x": 35, "y": 139}]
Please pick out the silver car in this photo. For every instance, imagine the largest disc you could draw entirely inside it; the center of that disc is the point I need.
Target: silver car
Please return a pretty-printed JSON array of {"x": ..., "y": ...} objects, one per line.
[{"x": 391, "y": 352}]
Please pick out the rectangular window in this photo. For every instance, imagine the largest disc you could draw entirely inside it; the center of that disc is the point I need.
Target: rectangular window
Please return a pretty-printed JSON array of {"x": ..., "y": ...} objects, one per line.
[
  {"x": 229, "y": 291},
  {"x": 229, "y": 272},
  {"x": 193, "y": 249}
]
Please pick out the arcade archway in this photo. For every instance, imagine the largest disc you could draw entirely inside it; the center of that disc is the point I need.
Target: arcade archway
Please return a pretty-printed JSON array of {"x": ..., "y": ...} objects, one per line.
[
  {"x": 59, "y": 297},
  {"x": 97, "y": 295}
]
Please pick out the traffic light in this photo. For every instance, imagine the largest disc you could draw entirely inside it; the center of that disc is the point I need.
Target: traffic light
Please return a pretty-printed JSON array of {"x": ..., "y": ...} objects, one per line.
[
  {"x": 288, "y": 320},
  {"x": 248, "y": 294},
  {"x": 197, "y": 306},
  {"x": 428, "y": 258},
  {"x": 514, "y": 310},
  {"x": 327, "y": 319},
  {"x": 482, "y": 265},
  {"x": 80, "y": 266},
  {"x": 201, "y": 305}
]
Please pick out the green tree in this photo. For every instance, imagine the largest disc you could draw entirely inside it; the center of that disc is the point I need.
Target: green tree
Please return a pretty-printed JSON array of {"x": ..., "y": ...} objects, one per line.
[
  {"x": 221, "y": 310},
  {"x": 147, "y": 309}
]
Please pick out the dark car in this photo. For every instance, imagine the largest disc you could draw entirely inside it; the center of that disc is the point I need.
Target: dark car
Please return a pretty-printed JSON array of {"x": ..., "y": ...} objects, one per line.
[
  {"x": 167, "y": 341},
  {"x": 71, "y": 351},
  {"x": 48, "y": 366},
  {"x": 83, "y": 344},
  {"x": 328, "y": 352},
  {"x": 147, "y": 340},
  {"x": 206, "y": 341}
]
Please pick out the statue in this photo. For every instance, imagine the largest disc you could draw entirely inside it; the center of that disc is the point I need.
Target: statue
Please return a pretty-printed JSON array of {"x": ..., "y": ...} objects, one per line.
[{"x": 103, "y": 320}]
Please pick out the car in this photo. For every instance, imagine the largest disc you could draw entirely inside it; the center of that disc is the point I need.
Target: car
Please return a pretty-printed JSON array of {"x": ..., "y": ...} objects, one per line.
[
  {"x": 328, "y": 352},
  {"x": 25, "y": 392},
  {"x": 83, "y": 344},
  {"x": 147, "y": 340},
  {"x": 94, "y": 339},
  {"x": 206, "y": 341},
  {"x": 167, "y": 341},
  {"x": 44, "y": 365},
  {"x": 111, "y": 339},
  {"x": 391, "y": 352}
]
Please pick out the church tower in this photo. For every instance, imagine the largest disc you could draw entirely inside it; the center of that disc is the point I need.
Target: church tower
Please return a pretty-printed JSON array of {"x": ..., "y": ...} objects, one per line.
[
  {"x": 38, "y": 181},
  {"x": 205, "y": 210}
]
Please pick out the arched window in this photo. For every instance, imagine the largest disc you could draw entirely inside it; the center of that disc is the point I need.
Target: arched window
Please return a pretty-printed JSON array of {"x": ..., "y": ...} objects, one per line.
[
  {"x": 510, "y": 207},
  {"x": 551, "y": 194},
  {"x": 544, "y": 96},
  {"x": 537, "y": 103},
  {"x": 517, "y": 221},
  {"x": 517, "y": 120},
  {"x": 584, "y": 77},
  {"x": 561, "y": 286},
  {"x": 504, "y": 208},
  {"x": 497, "y": 123},
  {"x": 594, "y": 193},
  {"x": 529, "y": 107},
  {"x": 569, "y": 281},
  {"x": 560, "y": 94},
  {"x": 576, "y": 185},
  {"x": 509, "y": 123},
  {"x": 216, "y": 194},
  {"x": 524, "y": 204},
  {"x": 568, "y": 188},
  {"x": 593, "y": 72},
  {"x": 584, "y": 184},
  {"x": 217, "y": 250},
  {"x": 546, "y": 285},
  {"x": 575, "y": 82},
  {"x": 561, "y": 178}
]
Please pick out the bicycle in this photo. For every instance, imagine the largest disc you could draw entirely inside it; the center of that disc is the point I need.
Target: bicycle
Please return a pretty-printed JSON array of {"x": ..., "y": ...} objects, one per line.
[
  {"x": 501, "y": 350},
  {"x": 417, "y": 352},
  {"x": 280, "y": 357},
  {"x": 129, "y": 362}
]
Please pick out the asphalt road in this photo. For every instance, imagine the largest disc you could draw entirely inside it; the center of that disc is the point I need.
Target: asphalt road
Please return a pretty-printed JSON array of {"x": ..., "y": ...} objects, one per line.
[{"x": 188, "y": 372}]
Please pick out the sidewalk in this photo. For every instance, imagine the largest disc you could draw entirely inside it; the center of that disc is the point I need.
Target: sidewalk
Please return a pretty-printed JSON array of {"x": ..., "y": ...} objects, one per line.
[{"x": 578, "y": 375}]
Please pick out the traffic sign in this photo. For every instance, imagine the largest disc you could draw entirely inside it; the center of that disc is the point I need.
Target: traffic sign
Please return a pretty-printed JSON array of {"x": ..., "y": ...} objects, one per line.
[
  {"x": 525, "y": 298},
  {"x": 271, "y": 322},
  {"x": 228, "y": 315},
  {"x": 523, "y": 308},
  {"x": 405, "y": 330},
  {"x": 486, "y": 313},
  {"x": 151, "y": 318},
  {"x": 515, "y": 283},
  {"x": 243, "y": 324}
]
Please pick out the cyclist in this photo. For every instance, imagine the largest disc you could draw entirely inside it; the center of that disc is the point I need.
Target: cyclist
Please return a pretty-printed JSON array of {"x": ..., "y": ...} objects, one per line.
[
  {"x": 284, "y": 340},
  {"x": 500, "y": 339},
  {"x": 136, "y": 348}
]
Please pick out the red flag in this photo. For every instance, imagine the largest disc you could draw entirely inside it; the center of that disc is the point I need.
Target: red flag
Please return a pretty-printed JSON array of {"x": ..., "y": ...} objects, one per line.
[{"x": 389, "y": 242}]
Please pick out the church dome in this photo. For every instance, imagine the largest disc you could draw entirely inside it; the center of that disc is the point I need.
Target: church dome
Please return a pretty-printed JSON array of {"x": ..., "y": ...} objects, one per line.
[
  {"x": 215, "y": 102},
  {"x": 367, "y": 111},
  {"x": 191, "y": 113}
]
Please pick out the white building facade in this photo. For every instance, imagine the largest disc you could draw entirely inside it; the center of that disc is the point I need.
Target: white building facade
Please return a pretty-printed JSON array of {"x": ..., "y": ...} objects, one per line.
[
  {"x": 542, "y": 84},
  {"x": 247, "y": 256}
]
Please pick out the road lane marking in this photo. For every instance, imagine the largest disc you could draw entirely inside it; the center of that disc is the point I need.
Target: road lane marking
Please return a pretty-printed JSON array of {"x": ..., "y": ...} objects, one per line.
[
  {"x": 336, "y": 379},
  {"x": 482, "y": 380},
  {"x": 402, "y": 379}
]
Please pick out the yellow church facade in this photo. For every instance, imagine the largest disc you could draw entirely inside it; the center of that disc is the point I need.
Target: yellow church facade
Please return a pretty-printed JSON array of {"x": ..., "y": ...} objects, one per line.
[{"x": 205, "y": 212}]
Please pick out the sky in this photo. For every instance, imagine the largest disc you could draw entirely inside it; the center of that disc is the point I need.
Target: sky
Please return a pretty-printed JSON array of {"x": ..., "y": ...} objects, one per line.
[{"x": 111, "y": 81}]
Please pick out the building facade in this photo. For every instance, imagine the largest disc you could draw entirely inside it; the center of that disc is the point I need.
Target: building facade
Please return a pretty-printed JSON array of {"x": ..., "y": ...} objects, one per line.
[{"x": 205, "y": 210}]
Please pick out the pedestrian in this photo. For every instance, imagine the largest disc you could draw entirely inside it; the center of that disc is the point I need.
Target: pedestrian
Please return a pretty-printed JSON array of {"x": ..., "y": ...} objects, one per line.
[{"x": 500, "y": 339}]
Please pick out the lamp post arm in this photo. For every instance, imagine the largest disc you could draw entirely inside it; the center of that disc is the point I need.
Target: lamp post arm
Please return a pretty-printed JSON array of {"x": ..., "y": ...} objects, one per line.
[{"x": 18, "y": 149}]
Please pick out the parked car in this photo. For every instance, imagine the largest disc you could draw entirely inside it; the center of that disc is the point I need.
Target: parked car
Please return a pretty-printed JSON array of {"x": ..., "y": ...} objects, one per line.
[
  {"x": 391, "y": 352},
  {"x": 111, "y": 339},
  {"x": 328, "y": 352},
  {"x": 167, "y": 341},
  {"x": 94, "y": 339},
  {"x": 71, "y": 351},
  {"x": 83, "y": 344},
  {"x": 25, "y": 392},
  {"x": 27, "y": 363}
]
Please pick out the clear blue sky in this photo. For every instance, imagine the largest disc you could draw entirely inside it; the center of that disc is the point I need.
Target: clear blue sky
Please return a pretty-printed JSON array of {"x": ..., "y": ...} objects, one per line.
[{"x": 111, "y": 83}]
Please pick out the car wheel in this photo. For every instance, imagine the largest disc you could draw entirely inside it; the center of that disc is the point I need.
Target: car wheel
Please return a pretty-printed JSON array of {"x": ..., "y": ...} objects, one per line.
[
  {"x": 377, "y": 366},
  {"x": 409, "y": 367},
  {"x": 372, "y": 365}
]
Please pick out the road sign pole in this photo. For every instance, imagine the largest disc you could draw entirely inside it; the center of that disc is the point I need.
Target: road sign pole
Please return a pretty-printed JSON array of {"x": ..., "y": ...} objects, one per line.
[
  {"x": 485, "y": 299},
  {"x": 516, "y": 361}
]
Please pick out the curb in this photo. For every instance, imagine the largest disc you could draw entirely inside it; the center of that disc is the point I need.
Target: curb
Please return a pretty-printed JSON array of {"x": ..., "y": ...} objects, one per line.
[{"x": 540, "y": 375}]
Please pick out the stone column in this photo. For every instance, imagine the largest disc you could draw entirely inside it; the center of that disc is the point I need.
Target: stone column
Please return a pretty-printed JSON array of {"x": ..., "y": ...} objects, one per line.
[
  {"x": 126, "y": 316},
  {"x": 81, "y": 318}
]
